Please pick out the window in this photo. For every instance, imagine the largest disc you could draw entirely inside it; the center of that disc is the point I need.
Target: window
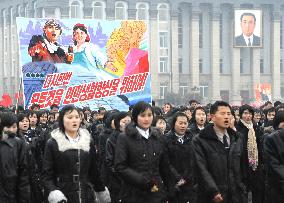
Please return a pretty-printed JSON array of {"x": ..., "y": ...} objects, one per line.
[
  {"x": 183, "y": 89},
  {"x": 163, "y": 12},
  {"x": 75, "y": 10},
  {"x": 261, "y": 67},
  {"x": 200, "y": 31},
  {"x": 163, "y": 40},
  {"x": 241, "y": 66},
  {"x": 163, "y": 91},
  {"x": 57, "y": 13},
  {"x": 180, "y": 65},
  {"x": 203, "y": 91},
  {"x": 180, "y": 30},
  {"x": 142, "y": 11},
  {"x": 225, "y": 95},
  {"x": 200, "y": 65},
  {"x": 99, "y": 10},
  {"x": 120, "y": 10},
  {"x": 221, "y": 65},
  {"x": 163, "y": 65}
]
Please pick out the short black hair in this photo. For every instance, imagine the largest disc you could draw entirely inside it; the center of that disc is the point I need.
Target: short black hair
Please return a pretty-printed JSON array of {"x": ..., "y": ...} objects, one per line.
[
  {"x": 119, "y": 116},
  {"x": 194, "y": 113},
  {"x": 7, "y": 120},
  {"x": 277, "y": 103},
  {"x": 64, "y": 110},
  {"x": 248, "y": 14},
  {"x": 214, "y": 107},
  {"x": 156, "y": 118},
  {"x": 279, "y": 117},
  {"x": 175, "y": 117},
  {"x": 266, "y": 111},
  {"x": 54, "y": 106},
  {"x": 21, "y": 117},
  {"x": 193, "y": 101},
  {"x": 246, "y": 107},
  {"x": 138, "y": 108},
  {"x": 35, "y": 105}
]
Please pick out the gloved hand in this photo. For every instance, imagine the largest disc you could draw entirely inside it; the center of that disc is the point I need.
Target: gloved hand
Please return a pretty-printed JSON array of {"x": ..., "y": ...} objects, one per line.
[
  {"x": 103, "y": 196},
  {"x": 56, "y": 196}
]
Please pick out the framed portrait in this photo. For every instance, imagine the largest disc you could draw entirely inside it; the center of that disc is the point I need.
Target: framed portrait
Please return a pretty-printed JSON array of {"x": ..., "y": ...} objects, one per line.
[{"x": 247, "y": 28}]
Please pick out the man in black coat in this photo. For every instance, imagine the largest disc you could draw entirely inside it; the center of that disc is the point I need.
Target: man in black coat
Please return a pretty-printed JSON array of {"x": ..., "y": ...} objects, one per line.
[
  {"x": 274, "y": 161},
  {"x": 254, "y": 168},
  {"x": 218, "y": 157}
]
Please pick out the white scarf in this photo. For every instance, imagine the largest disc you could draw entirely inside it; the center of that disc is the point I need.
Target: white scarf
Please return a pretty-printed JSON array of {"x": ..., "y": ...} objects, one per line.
[{"x": 251, "y": 146}]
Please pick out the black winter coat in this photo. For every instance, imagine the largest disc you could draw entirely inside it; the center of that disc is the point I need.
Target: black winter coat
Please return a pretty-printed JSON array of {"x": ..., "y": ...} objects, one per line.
[
  {"x": 254, "y": 180},
  {"x": 14, "y": 179},
  {"x": 274, "y": 161},
  {"x": 193, "y": 129},
  {"x": 104, "y": 135},
  {"x": 141, "y": 163},
  {"x": 218, "y": 170},
  {"x": 181, "y": 164},
  {"x": 71, "y": 168},
  {"x": 34, "y": 156},
  {"x": 114, "y": 181}
]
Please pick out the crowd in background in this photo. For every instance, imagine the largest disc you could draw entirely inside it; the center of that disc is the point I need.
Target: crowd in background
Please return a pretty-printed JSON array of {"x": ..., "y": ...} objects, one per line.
[{"x": 174, "y": 154}]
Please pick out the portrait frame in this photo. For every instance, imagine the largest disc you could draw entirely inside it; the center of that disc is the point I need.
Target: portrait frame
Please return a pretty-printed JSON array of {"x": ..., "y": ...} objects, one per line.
[{"x": 238, "y": 40}]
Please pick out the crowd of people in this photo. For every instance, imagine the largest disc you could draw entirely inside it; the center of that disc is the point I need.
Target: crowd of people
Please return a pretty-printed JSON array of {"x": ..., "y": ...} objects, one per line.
[{"x": 173, "y": 154}]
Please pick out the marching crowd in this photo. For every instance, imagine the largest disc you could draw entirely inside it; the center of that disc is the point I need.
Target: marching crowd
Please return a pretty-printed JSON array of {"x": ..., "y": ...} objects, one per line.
[{"x": 174, "y": 154}]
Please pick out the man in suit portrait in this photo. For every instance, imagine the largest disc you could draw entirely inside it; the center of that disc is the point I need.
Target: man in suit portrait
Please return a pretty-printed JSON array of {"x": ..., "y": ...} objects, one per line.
[{"x": 247, "y": 38}]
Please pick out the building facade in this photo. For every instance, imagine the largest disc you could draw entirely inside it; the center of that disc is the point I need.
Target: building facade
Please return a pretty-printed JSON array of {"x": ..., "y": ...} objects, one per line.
[{"x": 191, "y": 44}]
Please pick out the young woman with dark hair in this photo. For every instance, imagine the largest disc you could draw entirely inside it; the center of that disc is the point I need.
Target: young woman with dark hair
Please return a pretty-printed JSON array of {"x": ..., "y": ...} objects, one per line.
[
  {"x": 179, "y": 150},
  {"x": 14, "y": 179},
  {"x": 34, "y": 157},
  {"x": 70, "y": 165},
  {"x": 121, "y": 120},
  {"x": 141, "y": 161}
]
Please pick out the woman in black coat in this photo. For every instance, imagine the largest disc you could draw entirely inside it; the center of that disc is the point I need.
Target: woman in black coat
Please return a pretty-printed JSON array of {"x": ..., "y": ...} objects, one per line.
[
  {"x": 121, "y": 121},
  {"x": 180, "y": 153},
  {"x": 70, "y": 167},
  {"x": 14, "y": 179},
  {"x": 33, "y": 152},
  {"x": 141, "y": 161}
]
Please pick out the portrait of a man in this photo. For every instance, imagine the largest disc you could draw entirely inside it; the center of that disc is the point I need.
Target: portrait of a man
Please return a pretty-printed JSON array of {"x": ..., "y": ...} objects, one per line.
[{"x": 248, "y": 21}]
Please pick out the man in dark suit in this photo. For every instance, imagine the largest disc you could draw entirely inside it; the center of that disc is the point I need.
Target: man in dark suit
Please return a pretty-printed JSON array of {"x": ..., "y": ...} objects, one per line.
[{"x": 247, "y": 39}]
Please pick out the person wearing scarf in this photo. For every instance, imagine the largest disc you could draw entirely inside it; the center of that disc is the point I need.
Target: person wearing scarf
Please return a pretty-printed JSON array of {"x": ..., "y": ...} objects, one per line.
[{"x": 253, "y": 162}]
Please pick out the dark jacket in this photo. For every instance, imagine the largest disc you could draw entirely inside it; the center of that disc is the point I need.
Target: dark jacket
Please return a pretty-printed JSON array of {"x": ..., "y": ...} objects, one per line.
[
  {"x": 218, "y": 170},
  {"x": 141, "y": 163},
  {"x": 34, "y": 156},
  {"x": 14, "y": 179},
  {"x": 104, "y": 135},
  {"x": 181, "y": 165},
  {"x": 274, "y": 161},
  {"x": 114, "y": 184},
  {"x": 240, "y": 41},
  {"x": 193, "y": 129},
  {"x": 254, "y": 179},
  {"x": 70, "y": 168}
]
